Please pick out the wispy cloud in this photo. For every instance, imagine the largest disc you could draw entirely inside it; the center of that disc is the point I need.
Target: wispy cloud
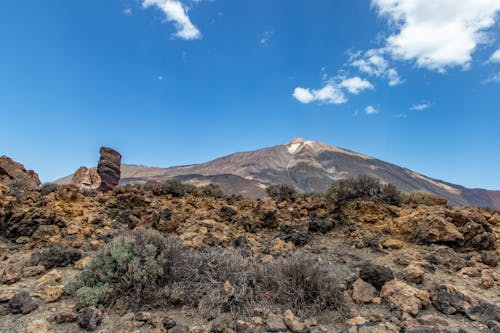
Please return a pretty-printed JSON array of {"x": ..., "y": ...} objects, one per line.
[
  {"x": 266, "y": 37},
  {"x": 374, "y": 63},
  {"x": 371, "y": 110},
  {"x": 495, "y": 57},
  {"x": 176, "y": 12},
  {"x": 437, "y": 34},
  {"x": 419, "y": 107},
  {"x": 493, "y": 78},
  {"x": 127, "y": 11}
]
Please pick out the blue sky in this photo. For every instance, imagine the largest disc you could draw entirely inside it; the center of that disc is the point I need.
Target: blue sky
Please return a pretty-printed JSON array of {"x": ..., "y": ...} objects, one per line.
[{"x": 169, "y": 82}]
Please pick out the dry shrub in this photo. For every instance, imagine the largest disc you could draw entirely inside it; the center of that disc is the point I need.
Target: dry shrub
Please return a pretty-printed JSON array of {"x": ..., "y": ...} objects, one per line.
[
  {"x": 148, "y": 269},
  {"x": 282, "y": 192},
  {"x": 296, "y": 282},
  {"x": 363, "y": 187}
]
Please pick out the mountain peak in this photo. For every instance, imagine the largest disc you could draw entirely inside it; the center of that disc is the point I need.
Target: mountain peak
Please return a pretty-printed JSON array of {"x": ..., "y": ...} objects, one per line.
[{"x": 296, "y": 141}]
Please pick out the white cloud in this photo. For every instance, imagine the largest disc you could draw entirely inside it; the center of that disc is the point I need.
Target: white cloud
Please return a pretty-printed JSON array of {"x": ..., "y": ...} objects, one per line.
[
  {"x": 370, "y": 109},
  {"x": 356, "y": 84},
  {"x": 373, "y": 62},
  {"x": 127, "y": 11},
  {"x": 495, "y": 57},
  {"x": 329, "y": 94},
  {"x": 176, "y": 12},
  {"x": 437, "y": 34},
  {"x": 419, "y": 107}
]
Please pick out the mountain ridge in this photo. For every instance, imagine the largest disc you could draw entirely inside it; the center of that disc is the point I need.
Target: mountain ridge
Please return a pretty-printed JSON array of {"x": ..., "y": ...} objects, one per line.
[{"x": 310, "y": 166}]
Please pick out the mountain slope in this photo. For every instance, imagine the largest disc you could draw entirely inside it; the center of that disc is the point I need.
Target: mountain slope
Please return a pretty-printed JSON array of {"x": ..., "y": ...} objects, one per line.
[{"x": 310, "y": 166}]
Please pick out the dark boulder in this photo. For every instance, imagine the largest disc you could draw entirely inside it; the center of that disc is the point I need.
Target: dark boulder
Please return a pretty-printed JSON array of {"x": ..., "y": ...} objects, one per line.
[{"x": 376, "y": 275}]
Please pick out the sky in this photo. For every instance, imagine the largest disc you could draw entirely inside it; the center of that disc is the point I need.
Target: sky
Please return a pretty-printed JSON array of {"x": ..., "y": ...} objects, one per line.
[{"x": 173, "y": 82}]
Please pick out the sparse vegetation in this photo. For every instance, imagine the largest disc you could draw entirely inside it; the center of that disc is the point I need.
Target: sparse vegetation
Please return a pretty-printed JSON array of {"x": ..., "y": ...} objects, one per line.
[
  {"x": 146, "y": 268},
  {"x": 420, "y": 198},
  {"x": 282, "y": 192},
  {"x": 361, "y": 187},
  {"x": 136, "y": 267},
  {"x": 48, "y": 188},
  {"x": 19, "y": 187},
  {"x": 211, "y": 190}
]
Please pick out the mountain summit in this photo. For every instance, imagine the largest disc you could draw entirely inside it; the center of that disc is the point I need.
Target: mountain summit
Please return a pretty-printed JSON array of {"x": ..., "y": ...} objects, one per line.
[{"x": 310, "y": 166}]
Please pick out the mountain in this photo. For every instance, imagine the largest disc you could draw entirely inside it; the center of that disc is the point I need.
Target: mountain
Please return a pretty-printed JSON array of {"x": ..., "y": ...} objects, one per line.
[{"x": 309, "y": 166}]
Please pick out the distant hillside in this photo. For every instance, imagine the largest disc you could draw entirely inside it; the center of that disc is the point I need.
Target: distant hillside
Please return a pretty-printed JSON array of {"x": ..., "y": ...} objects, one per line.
[{"x": 309, "y": 166}]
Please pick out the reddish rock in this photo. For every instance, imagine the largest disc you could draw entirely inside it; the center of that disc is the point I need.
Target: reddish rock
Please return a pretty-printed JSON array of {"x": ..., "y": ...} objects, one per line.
[
  {"x": 109, "y": 169},
  {"x": 11, "y": 170}
]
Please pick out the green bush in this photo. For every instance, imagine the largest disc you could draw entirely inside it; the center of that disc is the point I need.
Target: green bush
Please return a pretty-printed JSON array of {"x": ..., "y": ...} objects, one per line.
[
  {"x": 282, "y": 192},
  {"x": 136, "y": 267}
]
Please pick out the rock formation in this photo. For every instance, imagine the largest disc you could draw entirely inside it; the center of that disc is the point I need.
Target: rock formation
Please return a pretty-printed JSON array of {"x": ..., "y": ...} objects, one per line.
[
  {"x": 11, "y": 170},
  {"x": 109, "y": 168},
  {"x": 86, "y": 178}
]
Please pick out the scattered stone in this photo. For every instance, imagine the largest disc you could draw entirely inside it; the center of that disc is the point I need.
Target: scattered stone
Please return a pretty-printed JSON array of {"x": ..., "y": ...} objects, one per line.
[
  {"x": 403, "y": 297},
  {"x": 275, "y": 324},
  {"x": 432, "y": 320},
  {"x": 7, "y": 292},
  {"x": 51, "y": 278},
  {"x": 222, "y": 323},
  {"x": 65, "y": 316},
  {"x": 393, "y": 244},
  {"x": 295, "y": 237},
  {"x": 89, "y": 318},
  {"x": 22, "y": 303},
  {"x": 39, "y": 326},
  {"x": 321, "y": 225},
  {"x": 228, "y": 288},
  {"x": 490, "y": 258},
  {"x": 488, "y": 278},
  {"x": 51, "y": 293},
  {"x": 363, "y": 292},
  {"x": 33, "y": 270},
  {"x": 108, "y": 169},
  {"x": 414, "y": 274},
  {"x": 450, "y": 300},
  {"x": 56, "y": 255},
  {"x": 356, "y": 321},
  {"x": 484, "y": 313},
  {"x": 11, "y": 275},
  {"x": 293, "y": 323},
  {"x": 168, "y": 322},
  {"x": 376, "y": 275},
  {"x": 80, "y": 264}
]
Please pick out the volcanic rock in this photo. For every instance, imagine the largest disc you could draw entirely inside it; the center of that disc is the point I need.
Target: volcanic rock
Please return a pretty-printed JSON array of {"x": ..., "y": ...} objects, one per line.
[
  {"x": 403, "y": 297},
  {"x": 11, "y": 170},
  {"x": 376, "y": 275},
  {"x": 109, "y": 168},
  {"x": 86, "y": 178}
]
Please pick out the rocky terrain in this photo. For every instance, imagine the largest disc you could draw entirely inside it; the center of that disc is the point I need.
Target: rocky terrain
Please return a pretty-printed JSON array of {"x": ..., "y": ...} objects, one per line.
[
  {"x": 175, "y": 258},
  {"x": 310, "y": 166}
]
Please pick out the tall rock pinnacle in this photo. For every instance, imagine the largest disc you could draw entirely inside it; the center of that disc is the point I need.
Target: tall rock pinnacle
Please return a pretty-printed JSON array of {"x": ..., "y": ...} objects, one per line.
[{"x": 109, "y": 168}]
